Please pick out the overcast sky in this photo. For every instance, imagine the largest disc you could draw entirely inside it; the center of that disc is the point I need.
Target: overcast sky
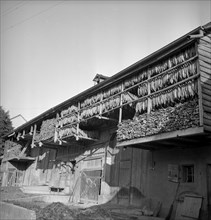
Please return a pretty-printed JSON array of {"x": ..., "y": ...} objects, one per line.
[{"x": 51, "y": 50}]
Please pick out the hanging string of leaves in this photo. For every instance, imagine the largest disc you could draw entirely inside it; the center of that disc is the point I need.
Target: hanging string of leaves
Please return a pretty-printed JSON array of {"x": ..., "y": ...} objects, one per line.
[
  {"x": 68, "y": 131},
  {"x": 109, "y": 99},
  {"x": 67, "y": 120},
  {"x": 172, "y": 61},
  {"x": 90, "y": 101},
  {"x": 172, "y": 77},
  {"x": 108, "y": 104},
  {"x": 180, "y": 93},
  {"x": 135, "y": 79},
  {"x": 112, "y": 91},
  {"x": 70, "y": 110},
  {"x": 72, "y": 130}
]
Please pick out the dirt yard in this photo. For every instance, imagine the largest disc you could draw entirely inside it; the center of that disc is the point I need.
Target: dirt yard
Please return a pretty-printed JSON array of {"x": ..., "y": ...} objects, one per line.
[
  {"x": 53, "y": 211},
  {"x": 59, "y": 211}
]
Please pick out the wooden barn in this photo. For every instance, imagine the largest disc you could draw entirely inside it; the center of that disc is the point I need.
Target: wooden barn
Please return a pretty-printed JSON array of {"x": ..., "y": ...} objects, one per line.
[{"x": 142, "y": 136}]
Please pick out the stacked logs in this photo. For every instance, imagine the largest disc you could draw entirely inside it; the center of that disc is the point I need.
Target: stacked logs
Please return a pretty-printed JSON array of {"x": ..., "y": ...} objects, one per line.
[
  {"x": 11, "y": 149},
  {"x": 47, "y": 130},
  {"x": 181, "y": 116}
]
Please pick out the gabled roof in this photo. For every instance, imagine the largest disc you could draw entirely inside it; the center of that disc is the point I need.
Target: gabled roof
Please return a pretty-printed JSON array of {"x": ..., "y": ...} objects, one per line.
[{"x": 154, "y": 57}]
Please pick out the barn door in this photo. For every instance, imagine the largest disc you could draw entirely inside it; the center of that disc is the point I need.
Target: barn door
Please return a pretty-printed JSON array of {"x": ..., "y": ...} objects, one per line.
[
  {"x": 90, "y": 185},
  {"x": 123, "y": 195},
  {"x": 47, "y": 158},
  {"x": 209, "y": 189},
  {"x": 51, "y": 160},
  {"x": 91, "y": 180}
]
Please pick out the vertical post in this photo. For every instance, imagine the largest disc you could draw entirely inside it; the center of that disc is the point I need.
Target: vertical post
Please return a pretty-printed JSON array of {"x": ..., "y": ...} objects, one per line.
[
  {"x": 56, "y": 127},
  {"x": 120, "y": 109},
  {"x": 199, "y": 87},
  {"x": 149, "y": 100},
  {"x": 33, "y": 137},
  {"x": 31, "y": 130},
  {"x": 101, "y": 104},
  {"x": 24, "y": 132},
  {"x": 78, "y": 121},
  {"x": 105, "y": 162}
]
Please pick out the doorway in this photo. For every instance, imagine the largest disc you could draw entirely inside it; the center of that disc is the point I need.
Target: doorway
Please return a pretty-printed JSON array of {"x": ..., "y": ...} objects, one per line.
[
  {"x": 46, "y": 163},
  {"x": 125, "y": 163},
  {"x": 91, "y": 175}
]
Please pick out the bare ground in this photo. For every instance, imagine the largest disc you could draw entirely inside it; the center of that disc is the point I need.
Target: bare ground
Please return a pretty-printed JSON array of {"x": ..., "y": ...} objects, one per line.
[{"x": 59, "y": 211}]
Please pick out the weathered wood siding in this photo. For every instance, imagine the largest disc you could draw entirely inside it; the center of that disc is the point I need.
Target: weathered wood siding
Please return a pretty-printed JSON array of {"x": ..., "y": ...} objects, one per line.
[
  {"x": 128, "y": 176},
  {"x": 204, "y": 52}
]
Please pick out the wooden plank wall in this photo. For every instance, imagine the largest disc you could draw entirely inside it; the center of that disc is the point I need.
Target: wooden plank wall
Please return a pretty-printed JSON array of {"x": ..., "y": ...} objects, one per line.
[{"x": 204, "y": 52}]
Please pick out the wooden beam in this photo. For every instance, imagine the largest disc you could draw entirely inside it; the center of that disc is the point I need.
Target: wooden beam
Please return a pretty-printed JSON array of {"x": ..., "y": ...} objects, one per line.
[
  {"x": 33, "y": 137},
  {"x": 204, "y": 53},
  {"x": 207, "y": 109},
  {"x": 85, "y": 138},
  {"x": 205, "y": 65},
  {"x": 168, "y": 135},
  {"x": 105, "y": 118},
  {"x": 199, "y": 91},
  {"x": 172, "y": 143},
  {"x": 78, "y": 121},
  {"x": 207, "y": 128},
  {"x": 120, "y": 109},
  {"x": 205, "y": 59},
  {"x": 207, "y": 115}
]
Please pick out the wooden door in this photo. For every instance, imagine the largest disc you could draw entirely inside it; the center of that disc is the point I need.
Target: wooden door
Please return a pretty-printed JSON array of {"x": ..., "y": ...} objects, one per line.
[
  {"x": 50, "y": 165},
  {"x": 47, "y": 156},
  {"x": 209, "y": 189},
  {"x": 90, "y": 185},
  {"x": 91, "y": 180},
  {"x": 123, "y": 195}
]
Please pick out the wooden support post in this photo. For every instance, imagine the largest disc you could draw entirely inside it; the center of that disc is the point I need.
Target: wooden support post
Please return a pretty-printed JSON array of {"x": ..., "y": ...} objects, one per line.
[
  {"x": 101, "y": 103},
  {"x": 23, "y": 135},
  {"x": 18, "y": 137},
  {"x": 31, "y": 130},
  {"x": 104, "y": 165},
  {"x": 201, "y": 111},
  {"x": 33, "y": 137},
  {"x": 149, "y": 100},
  {"x": 78, "y": 121},
  {"x": 120, "y": 109}
]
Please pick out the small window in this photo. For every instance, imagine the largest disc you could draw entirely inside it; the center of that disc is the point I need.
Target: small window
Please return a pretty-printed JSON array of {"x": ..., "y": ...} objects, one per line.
[{"x": 188, "y": 173}]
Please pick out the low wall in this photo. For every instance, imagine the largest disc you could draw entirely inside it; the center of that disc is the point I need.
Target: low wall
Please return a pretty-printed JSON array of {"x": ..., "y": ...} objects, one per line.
[{"x": 9, "y": 211}]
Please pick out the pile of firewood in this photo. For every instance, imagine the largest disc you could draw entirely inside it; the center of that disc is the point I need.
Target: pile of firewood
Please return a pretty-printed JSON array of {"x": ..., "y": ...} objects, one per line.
[
  {"x": 47, "y": 130},
  {"x": 11, "y": 149},
  {"x": 181, "y": 116}
]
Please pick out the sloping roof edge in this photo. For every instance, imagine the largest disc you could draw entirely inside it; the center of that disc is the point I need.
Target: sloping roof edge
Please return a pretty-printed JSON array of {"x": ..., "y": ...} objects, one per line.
[{"x": 116, "y": 77}]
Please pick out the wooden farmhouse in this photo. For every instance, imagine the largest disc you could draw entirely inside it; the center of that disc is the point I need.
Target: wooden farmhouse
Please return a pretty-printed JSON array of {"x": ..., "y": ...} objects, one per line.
[{"x": 143, "y": 134}]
